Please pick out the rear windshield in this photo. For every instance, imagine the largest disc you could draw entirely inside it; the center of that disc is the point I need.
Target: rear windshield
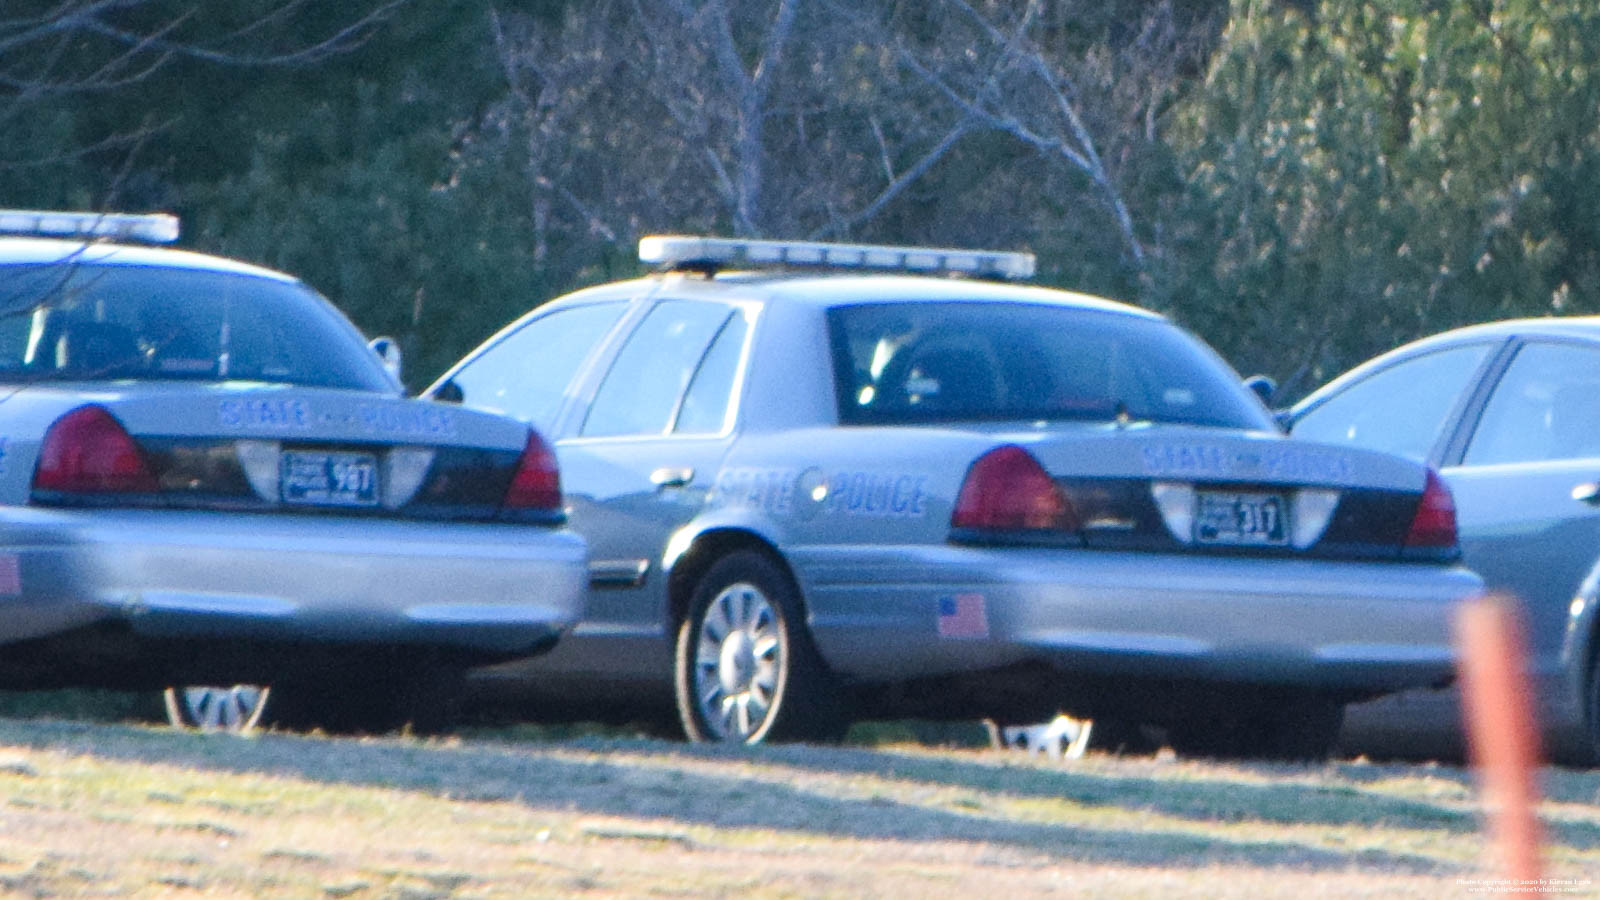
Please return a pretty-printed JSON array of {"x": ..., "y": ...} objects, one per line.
[
  {"x": 954, "y": 362},
  {"x": 86, "y": 321}
]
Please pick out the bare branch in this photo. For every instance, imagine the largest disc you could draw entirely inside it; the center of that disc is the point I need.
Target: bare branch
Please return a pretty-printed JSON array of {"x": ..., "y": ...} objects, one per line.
[
  {"x": 997, "y": 107},
  {"x": 341, "y": 41},
  {"x": 895, "y": 187},
  {"x": 35, "y": 49}
]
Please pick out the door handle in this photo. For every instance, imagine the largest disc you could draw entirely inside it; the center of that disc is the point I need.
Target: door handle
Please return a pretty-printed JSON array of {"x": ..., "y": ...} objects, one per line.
[
  {"x": 1587, "y": 492},
  {"x": 672, "y": 476}
]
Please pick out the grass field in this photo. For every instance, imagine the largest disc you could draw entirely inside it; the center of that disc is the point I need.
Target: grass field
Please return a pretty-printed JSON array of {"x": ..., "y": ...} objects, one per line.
[{"x": 99, "y": 809}]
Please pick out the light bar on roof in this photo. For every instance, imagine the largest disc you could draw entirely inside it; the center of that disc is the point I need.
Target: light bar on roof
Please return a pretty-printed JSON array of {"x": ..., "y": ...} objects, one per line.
[
  {"x": 687, "y": 252},
  {"x": 154, "y": 228}
]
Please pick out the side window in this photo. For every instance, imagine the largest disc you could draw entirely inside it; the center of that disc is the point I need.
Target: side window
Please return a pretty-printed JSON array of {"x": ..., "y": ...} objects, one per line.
[
  {"x": 1546, "y": 407},
  {"x": 527, "y": 374},
  {"x": 1400, "y": 409},
  {"x": 641, "y": 392},
  {"x": 705, "y": 406}
]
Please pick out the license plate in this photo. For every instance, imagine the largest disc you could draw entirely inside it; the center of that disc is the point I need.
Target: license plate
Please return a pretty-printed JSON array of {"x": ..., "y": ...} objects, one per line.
[
  {"x": 1240, "y": 519},
  {"x": 328, "y": 478}
]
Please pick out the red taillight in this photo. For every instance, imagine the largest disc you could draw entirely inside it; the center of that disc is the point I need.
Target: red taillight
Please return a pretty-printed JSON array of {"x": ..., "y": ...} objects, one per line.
[
  {"x": 1007, "y": 490},
  {"x": 87, "y": 451},
  {"x": 1434, "y": 524},
  {"x": 536, "y": 485}
]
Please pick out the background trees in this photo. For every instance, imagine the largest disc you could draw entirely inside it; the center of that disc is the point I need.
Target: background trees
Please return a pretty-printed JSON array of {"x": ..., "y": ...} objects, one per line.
[
  {"x": 1370, "y": 172},
  {"x": 1303, "y": 184}
]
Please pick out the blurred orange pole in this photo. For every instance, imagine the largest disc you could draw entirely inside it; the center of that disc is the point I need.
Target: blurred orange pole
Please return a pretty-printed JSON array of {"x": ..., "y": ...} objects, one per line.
[{"x": 1502, "y": 737}]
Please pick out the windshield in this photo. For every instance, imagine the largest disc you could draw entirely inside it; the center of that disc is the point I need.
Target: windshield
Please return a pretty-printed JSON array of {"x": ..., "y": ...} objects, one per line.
[
  {"x": 951, "y": 362},
  {"x": 75, "y": 321}
]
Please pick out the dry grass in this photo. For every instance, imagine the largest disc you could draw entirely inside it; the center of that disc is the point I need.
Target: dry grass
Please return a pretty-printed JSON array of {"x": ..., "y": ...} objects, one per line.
[{"x": 118, "y": 810}]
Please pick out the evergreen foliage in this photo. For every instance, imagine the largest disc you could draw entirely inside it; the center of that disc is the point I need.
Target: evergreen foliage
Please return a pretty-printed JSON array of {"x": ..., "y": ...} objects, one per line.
[{"x": 1304, "y": 184}]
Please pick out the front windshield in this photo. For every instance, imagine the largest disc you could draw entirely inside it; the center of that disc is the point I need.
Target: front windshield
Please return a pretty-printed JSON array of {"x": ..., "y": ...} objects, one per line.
[
  {"x": 957, "y": 362},
  {"x": 80, "y": 320}
]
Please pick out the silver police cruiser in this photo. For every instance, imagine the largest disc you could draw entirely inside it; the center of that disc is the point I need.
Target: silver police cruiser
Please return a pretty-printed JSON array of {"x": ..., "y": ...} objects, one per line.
[
  {"x": 206, "y": 475},
  {"x": 826, "y": 481}
]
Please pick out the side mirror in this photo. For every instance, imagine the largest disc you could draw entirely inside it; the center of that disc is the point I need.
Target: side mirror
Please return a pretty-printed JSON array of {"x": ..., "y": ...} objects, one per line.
[
  {"x": 1263, "y": 387},
  {"x": 449, "y": 392},
  {"x": 388, "y": 350}
]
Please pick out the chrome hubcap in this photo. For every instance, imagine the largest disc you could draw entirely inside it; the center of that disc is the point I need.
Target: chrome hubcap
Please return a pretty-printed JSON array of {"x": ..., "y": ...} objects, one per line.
[
  {"x": 215, "y": 708},
  {"x": 737, "y": 662}
]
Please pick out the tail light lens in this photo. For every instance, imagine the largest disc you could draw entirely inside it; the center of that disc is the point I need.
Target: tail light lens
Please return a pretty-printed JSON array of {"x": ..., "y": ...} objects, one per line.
[
  {"x": 1007, "y": 490},
  {"x": 87, "y": 451},
  {"x": 536, "y": 485},
  {"x": 1434, "y": 524}
]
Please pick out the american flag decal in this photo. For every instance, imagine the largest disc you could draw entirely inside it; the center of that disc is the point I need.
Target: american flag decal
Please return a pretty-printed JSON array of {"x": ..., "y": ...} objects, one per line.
[
  {"x": 963, "y": 616},
  {"x": 10, "y": 575}
]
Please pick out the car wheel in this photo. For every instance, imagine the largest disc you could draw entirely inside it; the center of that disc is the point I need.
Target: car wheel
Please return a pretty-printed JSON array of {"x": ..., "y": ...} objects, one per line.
[
  {"x": 1282, "y": 727},
  {"x": 1303, "y": 729},
  {"x": 1063, "y": 737},
  {"x": 1592, "y": 708},
  {"x": 237, "y": 709},
  {"x": 427, "y": 701},
  {"x": 1122, "y": 737},
  {"x": 746, "y": 668}
]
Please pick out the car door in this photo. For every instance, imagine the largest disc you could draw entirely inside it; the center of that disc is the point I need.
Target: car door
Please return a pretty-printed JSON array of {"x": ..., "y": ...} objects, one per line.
[
  {"x": 1525, "y": 484},
  {"x": 636, "y": 466}
]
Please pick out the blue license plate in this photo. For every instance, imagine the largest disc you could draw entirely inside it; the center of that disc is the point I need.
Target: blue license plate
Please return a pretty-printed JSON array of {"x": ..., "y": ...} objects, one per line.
[{"x": 328, "y": 478}]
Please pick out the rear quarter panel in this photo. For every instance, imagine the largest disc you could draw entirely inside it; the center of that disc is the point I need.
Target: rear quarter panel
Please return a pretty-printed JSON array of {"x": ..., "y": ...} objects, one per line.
[{"x": 846, "y": 506}]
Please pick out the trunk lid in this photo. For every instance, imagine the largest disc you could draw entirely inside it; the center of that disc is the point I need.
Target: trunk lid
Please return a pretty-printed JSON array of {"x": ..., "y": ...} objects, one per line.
[
  {"x": 271, "y": 448},
  {"x": 1188, "y": 489}
]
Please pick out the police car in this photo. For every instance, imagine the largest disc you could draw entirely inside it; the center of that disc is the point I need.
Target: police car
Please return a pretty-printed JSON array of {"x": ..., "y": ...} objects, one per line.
[
  {"x": 826, "y": 481},
  {"x": 206, "y": 475}
]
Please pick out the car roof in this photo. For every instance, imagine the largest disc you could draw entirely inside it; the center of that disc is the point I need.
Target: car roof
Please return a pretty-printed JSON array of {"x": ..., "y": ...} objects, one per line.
[
  {"x": 823, "y": 290},
  {"x": 1587, "y": 327},
  {"x": 45, "y": 251},
  {"x": 1584, "y": 327},
  {"x": 1551, "y": 326}
]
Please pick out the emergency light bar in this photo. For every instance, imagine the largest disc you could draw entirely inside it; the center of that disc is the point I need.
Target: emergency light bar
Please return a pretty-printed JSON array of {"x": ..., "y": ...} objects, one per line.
[
  {"x": 155, "y": 228},
  {"x": 685, "y": 252}
]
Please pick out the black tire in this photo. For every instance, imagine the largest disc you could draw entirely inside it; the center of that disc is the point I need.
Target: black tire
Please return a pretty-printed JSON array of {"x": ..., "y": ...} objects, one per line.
[
  {"x": 1122, "y": 737},
  {"x": 1282, "y": 727},
  {"x": 746, "y": 669},
  {"x": 1591, "y": 704},
  {"x": 428, "y": 701},
  {"x": 1303, "y": 729}
]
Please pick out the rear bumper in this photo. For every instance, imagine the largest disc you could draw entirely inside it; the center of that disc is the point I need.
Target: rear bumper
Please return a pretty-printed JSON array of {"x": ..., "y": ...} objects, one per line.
[
  {"x": 491, "y": 590},
  {"x": 1355, "y": 627}
]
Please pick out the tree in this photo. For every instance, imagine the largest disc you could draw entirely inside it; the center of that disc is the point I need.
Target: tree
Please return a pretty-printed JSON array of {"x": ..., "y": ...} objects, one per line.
[
  {"x": 752, "y": 117},
  {"x": 812, "y": 118},
  {"x": 55, "y": 54},
  {"x": 1377, "y": 172},
  {"x": 1079, "y": 87}
]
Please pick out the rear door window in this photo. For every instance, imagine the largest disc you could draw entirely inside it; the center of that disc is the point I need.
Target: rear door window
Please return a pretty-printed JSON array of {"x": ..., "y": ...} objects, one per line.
[
  {"x": 706, "y": 404},
  {"x": 642, "y": 392},
  {"x": 528, "y": 373}
]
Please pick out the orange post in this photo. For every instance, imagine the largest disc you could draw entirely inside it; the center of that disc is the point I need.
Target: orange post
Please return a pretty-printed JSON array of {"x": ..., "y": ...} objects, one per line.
[{"x": 1502, "y": 737}]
